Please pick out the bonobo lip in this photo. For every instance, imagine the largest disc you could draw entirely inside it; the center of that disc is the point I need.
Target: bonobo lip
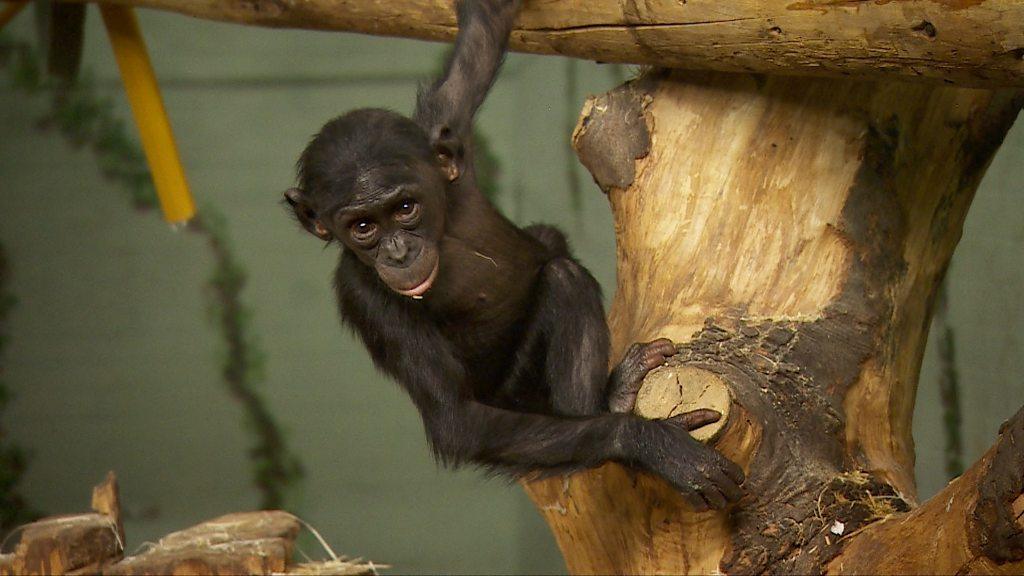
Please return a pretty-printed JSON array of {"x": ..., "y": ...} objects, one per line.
[{"x": 420, "y": 289}]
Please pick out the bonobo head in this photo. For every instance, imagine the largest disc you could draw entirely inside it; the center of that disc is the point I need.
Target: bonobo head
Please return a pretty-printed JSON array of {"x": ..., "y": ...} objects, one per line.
[{"x": 372, "y": 180}]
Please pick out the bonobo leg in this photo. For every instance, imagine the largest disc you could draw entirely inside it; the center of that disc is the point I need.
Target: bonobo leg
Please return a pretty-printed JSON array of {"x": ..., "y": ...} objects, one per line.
[
  {"x": 625, "y": 380},
  {"x": 571, "y": 317}
]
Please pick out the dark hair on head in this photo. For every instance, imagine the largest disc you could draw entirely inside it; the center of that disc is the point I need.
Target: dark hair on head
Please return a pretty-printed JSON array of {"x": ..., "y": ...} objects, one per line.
[{"x": 356, "y": 140}]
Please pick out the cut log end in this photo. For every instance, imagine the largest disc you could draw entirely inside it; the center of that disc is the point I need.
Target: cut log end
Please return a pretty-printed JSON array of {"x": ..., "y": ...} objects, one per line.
[
  {"x": 611, "y": 135},
  {"x": 672, "y": 390}
]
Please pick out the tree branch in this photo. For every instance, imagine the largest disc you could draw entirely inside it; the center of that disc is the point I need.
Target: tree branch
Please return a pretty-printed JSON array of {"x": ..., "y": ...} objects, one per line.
[
  {"x": 969, "y": 43},
  {"x": 973, "y": 526}
]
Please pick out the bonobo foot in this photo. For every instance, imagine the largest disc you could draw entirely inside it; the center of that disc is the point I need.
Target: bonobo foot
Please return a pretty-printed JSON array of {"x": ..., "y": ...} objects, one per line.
[
  {"x": 625, "y": 380},
  {"x": 705, "y": 478}
]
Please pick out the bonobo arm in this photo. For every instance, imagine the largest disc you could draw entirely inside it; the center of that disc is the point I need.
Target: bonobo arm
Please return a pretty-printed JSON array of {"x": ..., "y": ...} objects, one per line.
[
  {"x": 522, "y": 444},
  {"x": 528, "y": 445},
  {"x": 462, "y": 430},
  {"x": 445, "y": 109}
]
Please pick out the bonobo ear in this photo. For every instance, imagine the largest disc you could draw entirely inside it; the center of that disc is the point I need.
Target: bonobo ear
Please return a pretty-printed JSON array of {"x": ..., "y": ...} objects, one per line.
[
  {"x": 448, "y": 151},
  {"x": 305, "y": 215}
]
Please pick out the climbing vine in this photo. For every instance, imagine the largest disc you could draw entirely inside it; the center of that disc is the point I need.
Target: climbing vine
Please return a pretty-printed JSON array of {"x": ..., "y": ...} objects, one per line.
[
  {"x": 275, "y": 466},
  {"x": 14, "y": 511},
  {"x": 87, "y": 120},
  {"x": 949, "y": 386}
]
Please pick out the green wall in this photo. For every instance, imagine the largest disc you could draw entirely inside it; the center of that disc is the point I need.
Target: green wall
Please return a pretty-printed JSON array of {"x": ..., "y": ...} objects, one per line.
[{"x": 115, "y": 365}]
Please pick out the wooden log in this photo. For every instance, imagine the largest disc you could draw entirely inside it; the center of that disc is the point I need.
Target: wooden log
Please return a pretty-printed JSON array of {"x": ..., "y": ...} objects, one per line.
[
  {"x": 240, "y": 543},
  {"x": 234, "y": 527},
  {"x": 264, "y": 556},
  {"x": 64, "y": 544},
  {"x": 76, "y": 544},
  {"x": 968, "y": 42},
  {"x": 789, "y": 234},
  {"x": 7, "y": 564},
  {"x": 339, "y": 567}
]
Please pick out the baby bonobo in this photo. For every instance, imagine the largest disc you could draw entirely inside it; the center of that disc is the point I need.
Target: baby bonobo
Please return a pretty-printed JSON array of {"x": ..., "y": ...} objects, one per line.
[{"x": 497, "y": 334}]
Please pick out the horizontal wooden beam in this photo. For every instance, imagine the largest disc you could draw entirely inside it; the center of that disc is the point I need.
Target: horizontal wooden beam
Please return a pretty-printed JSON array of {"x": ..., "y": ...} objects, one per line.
[{"x": 966, "y": 42}]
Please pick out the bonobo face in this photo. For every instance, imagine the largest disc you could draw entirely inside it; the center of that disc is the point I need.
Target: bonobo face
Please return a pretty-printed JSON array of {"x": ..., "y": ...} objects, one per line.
[
  {"x": 393, "y": 223},
  {"x": 371, "y": 180},
  {"x": 390, "y": 215}
]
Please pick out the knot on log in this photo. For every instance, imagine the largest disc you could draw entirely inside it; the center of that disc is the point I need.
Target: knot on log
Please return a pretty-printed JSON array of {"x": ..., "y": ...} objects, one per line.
[{"x": 611, "y": 135}]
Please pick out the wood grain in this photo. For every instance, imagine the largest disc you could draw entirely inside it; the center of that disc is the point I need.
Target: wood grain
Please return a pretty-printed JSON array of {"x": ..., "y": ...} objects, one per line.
[{"x": 967, "y": 42}]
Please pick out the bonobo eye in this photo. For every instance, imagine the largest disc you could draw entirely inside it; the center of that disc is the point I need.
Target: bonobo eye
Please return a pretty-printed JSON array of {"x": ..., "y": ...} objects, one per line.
[
  {"x": 363, "y": 230},
  {"x": 407, "y": 210}
]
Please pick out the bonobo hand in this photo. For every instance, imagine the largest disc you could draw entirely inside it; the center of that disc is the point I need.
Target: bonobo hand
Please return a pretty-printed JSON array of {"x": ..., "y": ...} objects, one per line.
[
  {"x": 626, "y": 378},
  {"x": 704, "y": 477}
]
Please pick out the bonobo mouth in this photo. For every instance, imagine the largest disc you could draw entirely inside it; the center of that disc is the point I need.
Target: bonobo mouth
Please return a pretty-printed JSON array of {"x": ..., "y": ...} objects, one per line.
[
  {"x": 420, "y": 289},
  {"x": 415, "y": 279}
]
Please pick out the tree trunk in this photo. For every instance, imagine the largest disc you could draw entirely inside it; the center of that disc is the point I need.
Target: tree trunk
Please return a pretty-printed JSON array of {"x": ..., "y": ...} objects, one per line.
[
  {"x": 790, "y": 235},
  {"x": 968, "y": 42}
]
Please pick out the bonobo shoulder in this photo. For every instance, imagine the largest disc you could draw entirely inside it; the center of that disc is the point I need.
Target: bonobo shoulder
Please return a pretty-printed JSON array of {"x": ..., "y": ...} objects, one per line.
[
  {"x": 552, "y": 238},
  {"x": 566, "y": 273}
]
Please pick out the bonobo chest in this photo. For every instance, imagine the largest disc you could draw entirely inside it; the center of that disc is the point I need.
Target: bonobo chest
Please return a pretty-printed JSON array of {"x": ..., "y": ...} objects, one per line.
[{"x": 483, "y": 295}]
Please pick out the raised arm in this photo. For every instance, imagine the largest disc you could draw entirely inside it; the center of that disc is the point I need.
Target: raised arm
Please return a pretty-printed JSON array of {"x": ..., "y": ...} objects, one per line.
[{"x": 445, "y": 108}]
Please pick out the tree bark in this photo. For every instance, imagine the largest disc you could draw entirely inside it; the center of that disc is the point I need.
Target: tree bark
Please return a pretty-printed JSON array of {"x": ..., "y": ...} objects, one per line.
[
  {"x": 790, "y": 235},
  {"x": 968, "y": 42}
]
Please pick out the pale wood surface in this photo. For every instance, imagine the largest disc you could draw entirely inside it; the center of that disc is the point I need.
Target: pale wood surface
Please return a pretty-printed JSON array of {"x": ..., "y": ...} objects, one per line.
[
  {"x": 63, "y": 544},
  {"x": 789, "y": 234},
  {"x": 969, "y": 42}
]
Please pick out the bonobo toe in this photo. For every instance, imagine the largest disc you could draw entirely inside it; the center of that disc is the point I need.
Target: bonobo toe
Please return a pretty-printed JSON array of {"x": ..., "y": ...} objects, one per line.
[
  {"x": 656, "y": 353},
  {"x": 697, "y": 418},
  {"x": 641, "y": 358}
]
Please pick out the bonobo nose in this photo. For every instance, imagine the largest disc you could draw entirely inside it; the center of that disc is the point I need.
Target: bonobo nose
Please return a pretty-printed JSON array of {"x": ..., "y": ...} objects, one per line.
[{"x": 400, "y": 251}]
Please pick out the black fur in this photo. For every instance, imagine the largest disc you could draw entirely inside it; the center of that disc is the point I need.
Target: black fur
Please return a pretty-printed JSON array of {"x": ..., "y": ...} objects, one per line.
[{"x": 506, "y": 354}]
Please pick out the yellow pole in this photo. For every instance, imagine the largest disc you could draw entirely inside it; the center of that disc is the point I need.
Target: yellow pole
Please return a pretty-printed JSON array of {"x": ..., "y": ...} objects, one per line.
[
  {"x": 10, "y": 11},
  {"x": 148, "y": 110}
]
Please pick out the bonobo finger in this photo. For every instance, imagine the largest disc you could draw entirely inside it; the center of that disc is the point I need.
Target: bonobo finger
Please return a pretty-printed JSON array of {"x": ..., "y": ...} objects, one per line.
[
  {"x": 727, "y": 486},
  {"x": 734, "y": 472},
  {"x": 695, "y": 500},
  {"x": 662, "y": 346},
  {"x": 696, "y": 418},
  {"x": 714, "y": 497},
  {"x": 653, "y": 354},
  {"x": 656, "y": 353}
]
